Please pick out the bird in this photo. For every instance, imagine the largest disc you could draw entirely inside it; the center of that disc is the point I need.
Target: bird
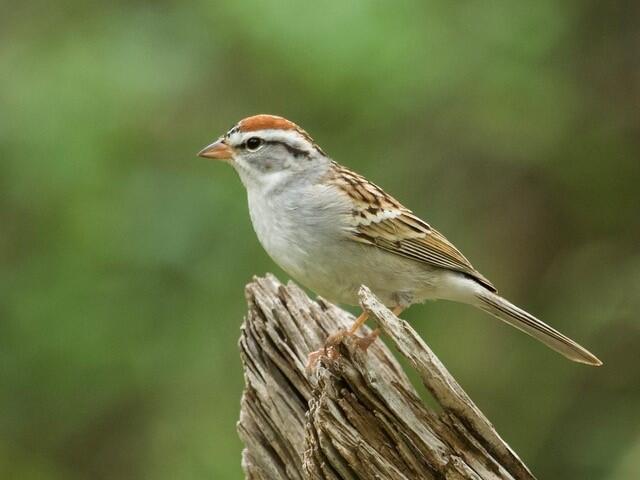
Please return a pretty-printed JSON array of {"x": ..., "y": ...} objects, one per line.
[{"x": 333, "y": 230}]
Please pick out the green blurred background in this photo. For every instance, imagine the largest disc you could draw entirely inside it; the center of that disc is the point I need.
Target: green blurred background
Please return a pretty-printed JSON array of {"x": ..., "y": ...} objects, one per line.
[{"x": 514, "y": 127}]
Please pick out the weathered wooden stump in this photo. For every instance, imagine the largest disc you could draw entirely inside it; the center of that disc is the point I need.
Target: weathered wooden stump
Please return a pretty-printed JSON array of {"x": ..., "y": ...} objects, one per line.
[{"x": 356, "y": 416}]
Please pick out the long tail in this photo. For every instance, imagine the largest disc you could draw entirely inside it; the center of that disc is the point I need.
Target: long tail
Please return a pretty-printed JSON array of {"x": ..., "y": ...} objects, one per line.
[{"x": 514, "y": 316}]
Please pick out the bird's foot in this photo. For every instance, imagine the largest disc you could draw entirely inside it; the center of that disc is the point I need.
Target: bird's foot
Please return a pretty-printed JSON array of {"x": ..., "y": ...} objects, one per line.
[
  {"x": 365, "y": 341},
  {"x": 330, "y": 349}
]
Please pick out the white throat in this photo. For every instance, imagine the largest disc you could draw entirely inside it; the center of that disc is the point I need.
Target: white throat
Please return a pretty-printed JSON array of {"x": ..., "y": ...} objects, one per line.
[{"x": 277, "y": 181}]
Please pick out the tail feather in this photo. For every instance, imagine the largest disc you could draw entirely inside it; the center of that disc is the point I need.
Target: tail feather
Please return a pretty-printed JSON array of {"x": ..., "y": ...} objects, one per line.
[{"x": 518, "y": 318}]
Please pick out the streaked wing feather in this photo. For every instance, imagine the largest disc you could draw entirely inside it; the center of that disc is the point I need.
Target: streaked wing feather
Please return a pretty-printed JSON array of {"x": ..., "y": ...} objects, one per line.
[{"x": 380, "y": 220}]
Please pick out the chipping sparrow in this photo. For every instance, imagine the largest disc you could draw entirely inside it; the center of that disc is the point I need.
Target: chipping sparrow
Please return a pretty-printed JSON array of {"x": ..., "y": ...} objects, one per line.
[{"x": 333, "y": 230}]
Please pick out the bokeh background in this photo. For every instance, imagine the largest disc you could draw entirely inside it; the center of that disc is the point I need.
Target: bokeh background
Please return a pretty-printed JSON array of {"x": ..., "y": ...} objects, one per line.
[{"x": 514, "y": 127}]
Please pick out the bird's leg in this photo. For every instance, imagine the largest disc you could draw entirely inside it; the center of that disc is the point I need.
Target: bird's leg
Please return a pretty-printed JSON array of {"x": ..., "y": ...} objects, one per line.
[
  {"x": 358, "y": 323},
  {"x": 365, "y": 342},
  {"x": 337, "y": 337},
  {"x": 329, "y": 348}
]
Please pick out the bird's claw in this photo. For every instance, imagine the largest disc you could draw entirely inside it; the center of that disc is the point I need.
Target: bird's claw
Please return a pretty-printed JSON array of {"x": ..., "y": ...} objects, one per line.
[
  {"x": 365, "y": 341},
  {"x": 330, "y": 348}
]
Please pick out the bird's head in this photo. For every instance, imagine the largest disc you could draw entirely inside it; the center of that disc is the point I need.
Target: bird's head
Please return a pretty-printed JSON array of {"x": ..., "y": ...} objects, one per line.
[{"x": 268, "y": 151}]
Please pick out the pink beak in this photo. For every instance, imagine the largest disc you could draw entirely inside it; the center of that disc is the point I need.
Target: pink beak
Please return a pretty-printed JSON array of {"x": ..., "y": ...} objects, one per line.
[{"x": 218, "y": 150}]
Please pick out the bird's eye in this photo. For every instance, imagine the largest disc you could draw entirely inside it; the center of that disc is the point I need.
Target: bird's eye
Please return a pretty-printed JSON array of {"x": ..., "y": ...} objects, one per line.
[{"x": 254, "y": 143}]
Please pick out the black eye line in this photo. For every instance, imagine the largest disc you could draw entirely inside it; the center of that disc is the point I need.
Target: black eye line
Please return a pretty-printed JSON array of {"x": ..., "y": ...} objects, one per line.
[{"x": 293, "y": 150}]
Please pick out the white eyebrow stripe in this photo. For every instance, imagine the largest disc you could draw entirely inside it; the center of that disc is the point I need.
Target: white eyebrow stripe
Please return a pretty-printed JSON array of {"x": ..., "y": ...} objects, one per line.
[{"x": 289, "y": 137}]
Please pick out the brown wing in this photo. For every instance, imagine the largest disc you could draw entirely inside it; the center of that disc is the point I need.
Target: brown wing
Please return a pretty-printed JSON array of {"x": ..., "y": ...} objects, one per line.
[{"x": 380, "y": 220}]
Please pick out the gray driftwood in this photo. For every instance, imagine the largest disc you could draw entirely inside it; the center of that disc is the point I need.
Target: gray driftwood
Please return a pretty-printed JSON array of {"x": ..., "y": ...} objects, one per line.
[{"x": 356, "y": 415}]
